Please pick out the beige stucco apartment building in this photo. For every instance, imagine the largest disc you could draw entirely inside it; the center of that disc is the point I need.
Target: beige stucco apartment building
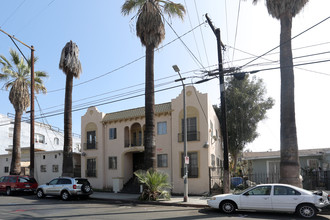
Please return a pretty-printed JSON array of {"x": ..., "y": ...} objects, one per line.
[{"x": 113, "y": 143}]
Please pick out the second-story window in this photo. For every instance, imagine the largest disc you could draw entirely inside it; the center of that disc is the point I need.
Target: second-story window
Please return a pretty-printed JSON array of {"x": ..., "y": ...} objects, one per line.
[
  {"x": 192, "y": 134},
  {"x": 91, "y": 140},
  {"x": 162, "y": 128},
  {"x": 56, "y": 141},
  {"x": 112, "y": 133},
  {"x": 39, "y": 138}
]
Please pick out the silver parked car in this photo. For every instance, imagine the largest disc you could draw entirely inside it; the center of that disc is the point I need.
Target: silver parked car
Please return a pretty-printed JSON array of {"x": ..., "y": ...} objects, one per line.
[
  {"x": 65, "y": 187},
  {"x": 273, "y": 197}
]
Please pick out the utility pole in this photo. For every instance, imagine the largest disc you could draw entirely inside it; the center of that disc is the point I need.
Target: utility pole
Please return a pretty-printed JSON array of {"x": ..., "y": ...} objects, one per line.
[
  {"x": 32, "y": 116},
  {"x": 223, "y": 120},
  {"x": 185, "y": 173}
]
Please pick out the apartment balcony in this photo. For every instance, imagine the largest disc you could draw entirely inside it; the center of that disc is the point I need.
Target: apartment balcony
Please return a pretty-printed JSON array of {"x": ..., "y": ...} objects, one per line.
[
  {"x": 90, "y": 146},
  {"x": 191, "y": 136}
]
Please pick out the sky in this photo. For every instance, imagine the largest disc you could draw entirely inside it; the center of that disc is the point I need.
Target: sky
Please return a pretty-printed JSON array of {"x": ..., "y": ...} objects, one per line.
[{"x": 113, "y": 61}]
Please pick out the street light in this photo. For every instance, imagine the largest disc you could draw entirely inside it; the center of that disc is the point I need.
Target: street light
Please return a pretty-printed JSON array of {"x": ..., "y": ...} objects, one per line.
[{"x": 186, "y": 159}]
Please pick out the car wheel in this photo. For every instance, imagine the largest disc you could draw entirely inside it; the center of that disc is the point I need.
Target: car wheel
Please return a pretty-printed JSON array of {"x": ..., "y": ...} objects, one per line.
[
  {"x": 40, "y": 194},
  {"x": 306, "y": 211},
  {"x": 65, "y": 195},
  {"x": 8, "y": 191},
  {"x": 227, "y": 207},
  {"x": 86, "y": 188}
]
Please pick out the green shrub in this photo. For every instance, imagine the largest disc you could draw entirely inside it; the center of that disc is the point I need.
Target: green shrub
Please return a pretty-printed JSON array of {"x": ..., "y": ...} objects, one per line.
[{"x": 155, "y": 185}]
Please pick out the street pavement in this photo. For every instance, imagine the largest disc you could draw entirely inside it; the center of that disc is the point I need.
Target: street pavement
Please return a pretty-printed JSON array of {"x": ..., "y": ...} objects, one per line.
[{"x": 193, "y": 201}]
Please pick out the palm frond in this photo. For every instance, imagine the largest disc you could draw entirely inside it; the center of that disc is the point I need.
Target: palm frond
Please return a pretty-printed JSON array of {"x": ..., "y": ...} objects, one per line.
[
  {"x": 131, "y": 6},
  {"x": 69, "y": 61}
]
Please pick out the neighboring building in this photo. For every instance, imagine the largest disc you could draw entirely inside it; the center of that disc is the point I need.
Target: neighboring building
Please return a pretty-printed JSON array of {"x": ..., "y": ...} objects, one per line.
[
  {"x": 48, "y": 164},
  {"x": 46, "y": 137},
  {"x": 265, "y": 166},
  {"x": 48, "y": 149},
  {"x": 113, "y": 143}
]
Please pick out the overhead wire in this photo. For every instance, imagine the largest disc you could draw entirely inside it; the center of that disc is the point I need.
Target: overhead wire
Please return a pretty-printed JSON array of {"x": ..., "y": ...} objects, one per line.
[
  {"x": 237, "y": 21},
  {"x": 313, "y": 26},
  {"x": 12, "y": 14},
  {"x": 127, "y": 64},
  {"x": 199, "y": 54}
]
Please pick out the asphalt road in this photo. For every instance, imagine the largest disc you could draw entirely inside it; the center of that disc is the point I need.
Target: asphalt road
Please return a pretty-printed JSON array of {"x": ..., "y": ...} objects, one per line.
[{"x": 29, "y": 207}]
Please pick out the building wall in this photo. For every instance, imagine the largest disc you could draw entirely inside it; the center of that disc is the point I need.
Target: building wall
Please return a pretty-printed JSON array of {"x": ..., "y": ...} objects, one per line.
[
  {"x": 92, "y": 121},
  {"x": 50, "y": 134},
  {"x": 169, "y": 144},
  {"x": 51, "y": 145},
  {"x": 44, "y": 162}
]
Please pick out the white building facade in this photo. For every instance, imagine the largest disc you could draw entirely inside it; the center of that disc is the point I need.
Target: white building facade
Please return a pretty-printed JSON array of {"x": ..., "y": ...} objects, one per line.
[{"x": 48, "y": 149}]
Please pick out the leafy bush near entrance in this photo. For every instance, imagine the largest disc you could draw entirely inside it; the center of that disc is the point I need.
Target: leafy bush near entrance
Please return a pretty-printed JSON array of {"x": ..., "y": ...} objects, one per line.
[{"x": 155, "y": 185}]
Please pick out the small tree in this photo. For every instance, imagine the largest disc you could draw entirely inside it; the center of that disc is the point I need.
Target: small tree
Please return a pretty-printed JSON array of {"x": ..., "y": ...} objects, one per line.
[
  {"x": 246, "y": 106},
  {"x": 155, "y": 184}
]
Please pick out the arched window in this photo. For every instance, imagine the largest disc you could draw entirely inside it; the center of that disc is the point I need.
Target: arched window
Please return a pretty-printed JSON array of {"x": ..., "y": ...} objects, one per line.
[{"x": 56, "y": 141}]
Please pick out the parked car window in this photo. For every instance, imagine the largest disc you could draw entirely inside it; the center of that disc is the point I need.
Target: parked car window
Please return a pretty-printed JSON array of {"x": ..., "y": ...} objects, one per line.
[
  {"x": 64, "y": 181},
  {"x": 259, "y": 191},
  {"x": 283, "y": 190},
  {"x": 2, "y": 179},
  {"x": 53, "y": 182},
  {"x": 6, "y": 179},
  {"x": 12, "y": 179},
  {"x": 82, "y": 181},
  {"x": 26, "y": 180}
]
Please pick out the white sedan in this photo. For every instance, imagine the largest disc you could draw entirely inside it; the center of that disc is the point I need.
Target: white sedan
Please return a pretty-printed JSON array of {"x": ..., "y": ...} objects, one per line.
[{"x": 272, "y": 197}]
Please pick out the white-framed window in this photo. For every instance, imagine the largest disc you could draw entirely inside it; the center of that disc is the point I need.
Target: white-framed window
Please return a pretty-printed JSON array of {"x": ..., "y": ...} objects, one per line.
[
  {"x": 162, "y": 160},
  {"x": 11, "y": 132},
  {"x": 43, "y": 168},
  {"x": 55, "y": 168},
  {"x": 112, "y": 133},
  {"x": 39, "y": 138},
  {"x": 112, "y": 163},
  {"x": 161, "y": 127},
  {"x": 56, "y": 141}
]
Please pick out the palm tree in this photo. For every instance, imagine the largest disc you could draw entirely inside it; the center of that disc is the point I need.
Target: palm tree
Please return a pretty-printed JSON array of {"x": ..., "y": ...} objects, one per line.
[
  {"x": 155, "y": 185},
  {"x": 17, "y": 75},
  {"x": 150, "y": 29},
  {"x": 71, "y": 66},
  {"x": 285, "y": 10}
]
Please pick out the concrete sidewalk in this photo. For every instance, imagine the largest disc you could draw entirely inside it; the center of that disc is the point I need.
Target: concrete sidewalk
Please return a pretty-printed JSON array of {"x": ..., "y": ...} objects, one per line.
[{"x": 193, "y": 201}]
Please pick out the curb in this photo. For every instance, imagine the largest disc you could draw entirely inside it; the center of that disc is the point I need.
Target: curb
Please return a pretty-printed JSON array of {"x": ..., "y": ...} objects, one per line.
[{"x": 153, "y": 202}]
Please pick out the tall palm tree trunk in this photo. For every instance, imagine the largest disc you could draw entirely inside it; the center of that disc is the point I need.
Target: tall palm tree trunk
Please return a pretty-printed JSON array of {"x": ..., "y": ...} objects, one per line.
[
  {"x": 67, "y": 150},
  {"x": 149, "y": 140},
  {"x": 15, "y": 168},
  {"x": 289, "y": 166}
]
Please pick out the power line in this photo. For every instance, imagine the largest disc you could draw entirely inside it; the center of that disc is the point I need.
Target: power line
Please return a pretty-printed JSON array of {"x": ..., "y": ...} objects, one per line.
[
  {"x": 287, "y": 41},
  {"x": 127, "y": 64},
  {"x": 36, "y": 15},
  {"x": 239, "y": 9},
  {"x": 193, "y": 32},
  {"x": 12, "y": 14}
]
